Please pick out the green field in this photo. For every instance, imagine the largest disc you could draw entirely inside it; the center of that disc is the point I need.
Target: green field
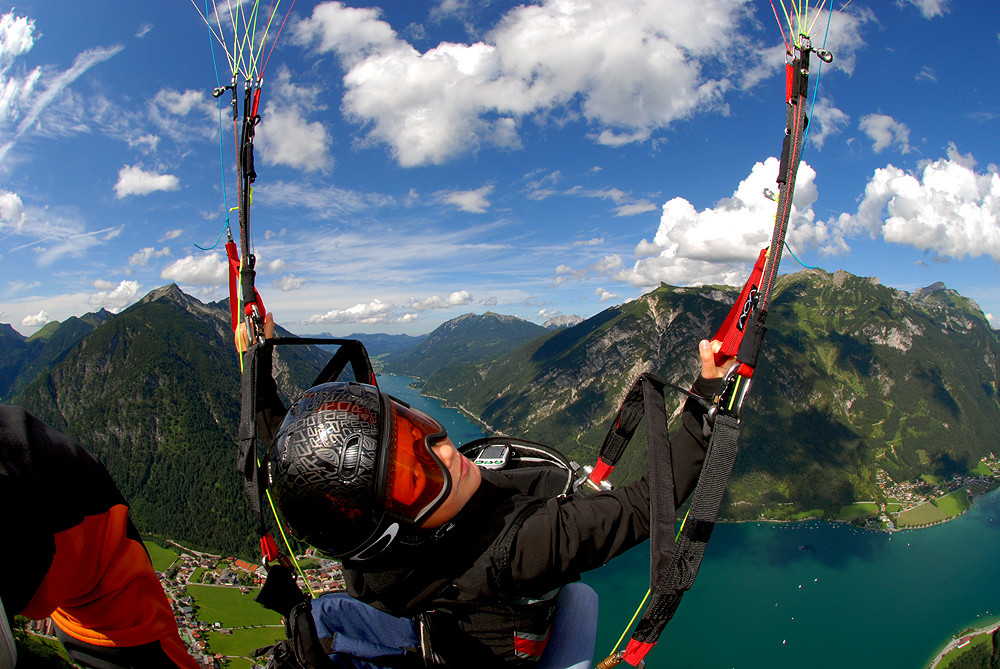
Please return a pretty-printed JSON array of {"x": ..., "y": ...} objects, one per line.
[
  {"x": 944, "y": 508},
  {"x": 921, "y": 515},
  {"x": 229, "y": 607},
  {"x": 245, "y": 641},
  {"x": 982, "y": 469},
  {"x": 948, "y": 659},
  {"x": 955, "y": 503},
  {"x": 240, "y": 663},
  {"x": 857, "y": 511},
  {"x": 161, "y": 557}
]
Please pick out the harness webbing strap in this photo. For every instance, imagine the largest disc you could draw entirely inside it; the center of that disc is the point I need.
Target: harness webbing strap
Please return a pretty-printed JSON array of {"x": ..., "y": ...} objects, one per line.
[
  {"x": 690, "y": 549},
  {"x": 791, "y": 153},
  {"x": 742, "y": 334},
  {"x": 247, "y": 436},
  {"x": 620, "y": 434},
  {"x": 661, "y": 476}
]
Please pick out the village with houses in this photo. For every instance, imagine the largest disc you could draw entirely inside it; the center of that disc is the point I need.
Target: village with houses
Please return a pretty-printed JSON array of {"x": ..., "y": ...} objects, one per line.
[
  {"x": 196, "y": 624},
  {"x": 917, "y": 503}
]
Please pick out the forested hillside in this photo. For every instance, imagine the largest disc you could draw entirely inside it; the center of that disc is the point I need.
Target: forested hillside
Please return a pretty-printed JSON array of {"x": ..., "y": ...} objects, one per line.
[
  {"x": 856, "y": 378},
  {"x": 154, "y": 393}
]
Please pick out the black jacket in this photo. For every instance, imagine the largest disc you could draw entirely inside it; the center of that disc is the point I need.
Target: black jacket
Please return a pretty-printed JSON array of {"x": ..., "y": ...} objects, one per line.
[{"x": 512, "y": 543}]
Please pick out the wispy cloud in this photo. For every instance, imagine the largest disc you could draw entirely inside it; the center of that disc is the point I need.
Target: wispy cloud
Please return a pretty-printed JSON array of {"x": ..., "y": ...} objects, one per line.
[
  {"x": 54, "y": 88},
  {"x": 928, "y": 8}
]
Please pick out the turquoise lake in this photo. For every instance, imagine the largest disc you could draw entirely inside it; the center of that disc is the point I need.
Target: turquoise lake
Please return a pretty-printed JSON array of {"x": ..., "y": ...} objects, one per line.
[{"x": 804, "y": 594}]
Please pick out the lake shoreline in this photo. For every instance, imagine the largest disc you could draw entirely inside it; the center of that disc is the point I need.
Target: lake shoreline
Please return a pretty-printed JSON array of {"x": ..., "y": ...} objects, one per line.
[{"x": 420, "y": 384}]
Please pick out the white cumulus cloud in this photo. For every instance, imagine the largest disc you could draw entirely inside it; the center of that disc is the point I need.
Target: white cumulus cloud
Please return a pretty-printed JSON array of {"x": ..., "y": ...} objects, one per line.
[
  {"x": 627, "y": 67},
  {"x": 473, "y": 201},
  {"x": 35, "y": 320},
  {"x": 715, "y": 244},
  {"x": 207, "y": 270},
  {"x": 114, "y": 297},
  {"x": 456, "y": 299},
  {"x": 885, "y": 131},
  {"x": 376, "y": 311},
  {"x": 288, "y": 282},
  {"x": 826, "y": 121},
  {"x": 604, "y": 295},
  {"x": 142, "y": 257},
  {"x": 133, "y": 180},
  {"x": 11, "y": 210},
  {"x": 286, "y": 136},
  {"x": 947, "y": 208}
]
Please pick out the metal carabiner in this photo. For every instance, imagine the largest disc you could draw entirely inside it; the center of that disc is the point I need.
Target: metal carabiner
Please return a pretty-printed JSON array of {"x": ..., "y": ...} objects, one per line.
[{"x": 734, "y": 392}]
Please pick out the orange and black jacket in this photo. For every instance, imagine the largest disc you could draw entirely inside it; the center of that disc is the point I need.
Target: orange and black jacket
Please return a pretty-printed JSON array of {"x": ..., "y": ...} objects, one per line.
[{"x": 71, "y": 552}]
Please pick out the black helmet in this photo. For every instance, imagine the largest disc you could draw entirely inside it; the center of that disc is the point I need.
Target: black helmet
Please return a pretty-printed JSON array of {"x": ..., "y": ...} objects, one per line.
[{"x": 351, "y": 465}]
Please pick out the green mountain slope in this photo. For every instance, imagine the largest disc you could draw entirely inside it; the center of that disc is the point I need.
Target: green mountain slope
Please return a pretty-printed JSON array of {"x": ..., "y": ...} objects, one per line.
[
  {"x": 154, "y": 393},
  {"x": 13, "y": 348},
  {"x": 22, "y": 359},
  {"x": 468, "y": 338},
  {"x": 856, "y": 378}
]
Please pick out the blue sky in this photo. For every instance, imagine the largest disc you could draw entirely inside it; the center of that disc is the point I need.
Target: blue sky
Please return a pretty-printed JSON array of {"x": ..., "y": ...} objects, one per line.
[{"x": 421, "y": 160}]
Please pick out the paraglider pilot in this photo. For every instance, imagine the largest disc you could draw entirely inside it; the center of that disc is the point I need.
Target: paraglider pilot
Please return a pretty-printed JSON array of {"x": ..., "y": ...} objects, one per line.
[{"x": 446, "y": 563}]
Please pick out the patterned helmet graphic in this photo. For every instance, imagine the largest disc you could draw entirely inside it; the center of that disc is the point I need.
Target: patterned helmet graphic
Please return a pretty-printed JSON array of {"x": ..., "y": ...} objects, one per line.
[
  {"x": 350, "y": 466},
  {"x": 325, "y": 470}
]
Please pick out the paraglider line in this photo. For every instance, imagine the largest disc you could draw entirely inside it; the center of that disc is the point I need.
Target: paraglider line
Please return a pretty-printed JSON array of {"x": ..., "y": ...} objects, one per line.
[
  {"x": 819, "y": 73},
  {"x": 275, "y": 41},
  {"x": 784, "y": 39},
  {"x": 797, "y": 258},
  {"x": 222, "y": 160}
]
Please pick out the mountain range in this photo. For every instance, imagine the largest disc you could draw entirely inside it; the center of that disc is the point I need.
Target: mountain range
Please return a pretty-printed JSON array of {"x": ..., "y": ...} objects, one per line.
[{"x": 855, "y": 379}]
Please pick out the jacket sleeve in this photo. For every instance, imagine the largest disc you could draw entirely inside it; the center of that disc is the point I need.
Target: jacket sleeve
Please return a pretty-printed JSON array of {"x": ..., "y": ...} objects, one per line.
[
  {"x": 88, "y": 568},
  {"x": 566, "y": 537}
]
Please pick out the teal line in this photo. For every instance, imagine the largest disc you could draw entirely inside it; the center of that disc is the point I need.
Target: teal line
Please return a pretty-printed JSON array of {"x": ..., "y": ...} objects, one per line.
[{"x": 797, "y": 259}]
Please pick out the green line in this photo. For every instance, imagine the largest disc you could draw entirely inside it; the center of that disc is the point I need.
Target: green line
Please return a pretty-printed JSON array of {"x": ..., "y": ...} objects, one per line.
[{"x": 267, "y": 29}]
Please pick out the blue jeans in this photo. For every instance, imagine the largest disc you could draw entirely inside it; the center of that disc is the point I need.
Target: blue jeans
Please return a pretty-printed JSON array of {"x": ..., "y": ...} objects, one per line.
[{"x": 366, "y": 638}]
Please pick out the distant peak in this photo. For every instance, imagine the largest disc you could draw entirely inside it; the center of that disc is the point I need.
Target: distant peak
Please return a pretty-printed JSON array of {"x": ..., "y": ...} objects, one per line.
[
  {"x": 937, "y": 287},
  {"x": 562, "y": 322},
  {"x": 171, "y": 292}
]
